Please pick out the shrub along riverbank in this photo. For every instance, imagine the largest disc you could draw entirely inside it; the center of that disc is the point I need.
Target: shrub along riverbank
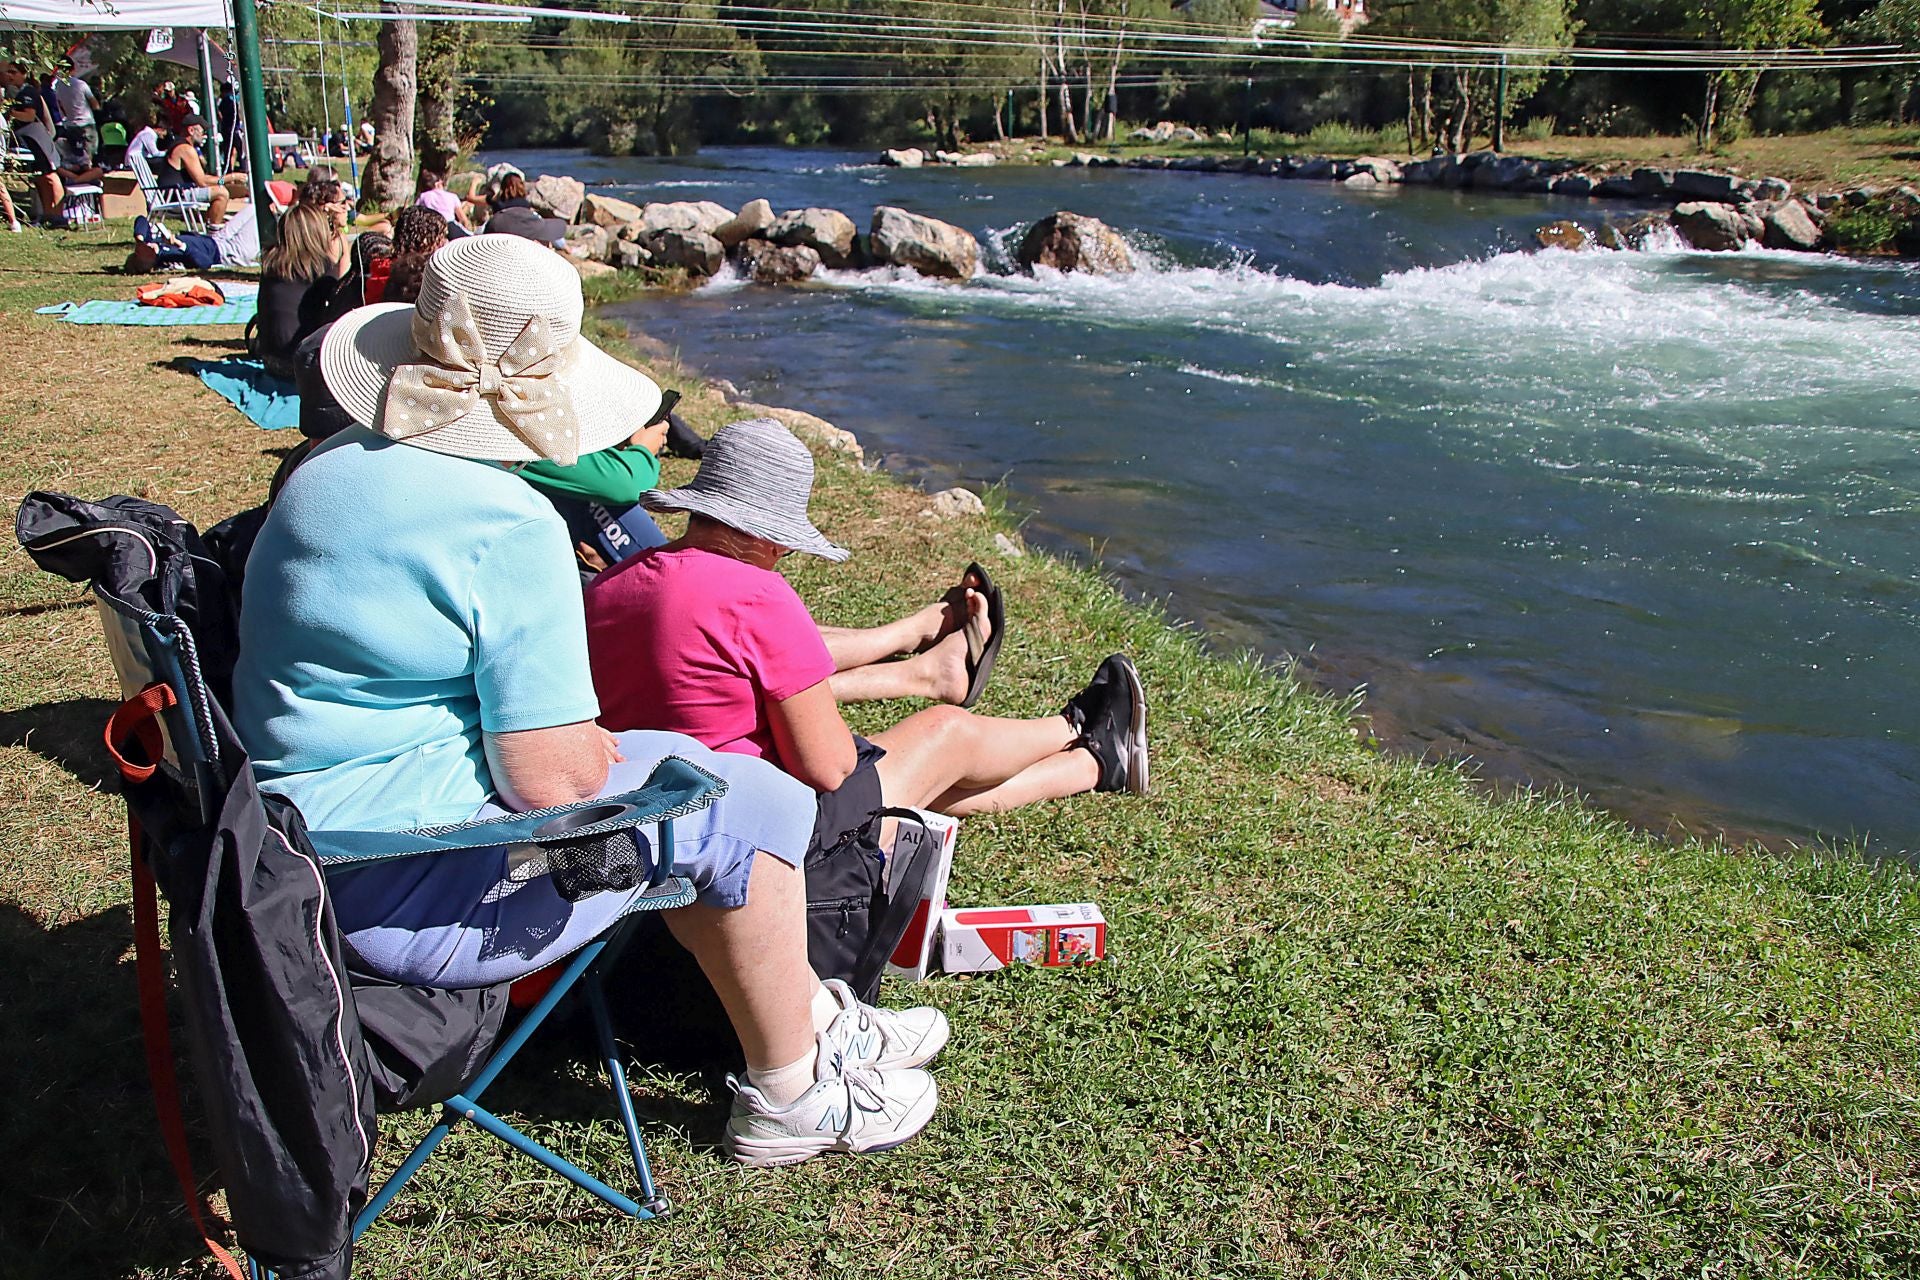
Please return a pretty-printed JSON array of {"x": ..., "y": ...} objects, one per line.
[{"x": 1358, "y": 1019}]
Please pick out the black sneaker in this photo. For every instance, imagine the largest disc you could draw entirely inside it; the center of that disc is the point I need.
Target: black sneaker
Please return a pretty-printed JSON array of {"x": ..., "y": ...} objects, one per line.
[
  {"x": 1110, "y": 715},
  {"x": 682, "y": 440}
]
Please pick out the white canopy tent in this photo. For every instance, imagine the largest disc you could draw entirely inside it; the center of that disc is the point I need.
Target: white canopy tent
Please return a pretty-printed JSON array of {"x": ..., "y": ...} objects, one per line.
[{"x": 114, "y": 15}]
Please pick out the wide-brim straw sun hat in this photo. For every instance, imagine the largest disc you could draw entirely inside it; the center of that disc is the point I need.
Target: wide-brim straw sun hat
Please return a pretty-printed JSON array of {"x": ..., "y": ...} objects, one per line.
[
  {"x": 755, "y": 477},
  {"x": 488, "y": 363}
]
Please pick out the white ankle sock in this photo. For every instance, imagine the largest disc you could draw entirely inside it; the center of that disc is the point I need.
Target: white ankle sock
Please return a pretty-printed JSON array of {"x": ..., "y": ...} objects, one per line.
[
  {"x": 825, "y": 1009},
  {"x": 782, "y": 1086}
]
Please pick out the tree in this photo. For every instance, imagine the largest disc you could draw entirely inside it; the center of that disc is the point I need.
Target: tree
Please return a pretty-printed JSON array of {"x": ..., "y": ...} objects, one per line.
[
  {"x": 1744, "y": 24},
  {"x": 387, "y": 180},
  {"x": 443, "y": 93},
  {"x": 1458, "y": 102}
]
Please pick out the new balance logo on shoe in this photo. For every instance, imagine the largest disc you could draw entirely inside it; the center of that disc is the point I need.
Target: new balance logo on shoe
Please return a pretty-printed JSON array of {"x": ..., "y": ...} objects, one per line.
[
  {"x": 831, "y": 1121},
  {"x": 865, "y": 1046}
]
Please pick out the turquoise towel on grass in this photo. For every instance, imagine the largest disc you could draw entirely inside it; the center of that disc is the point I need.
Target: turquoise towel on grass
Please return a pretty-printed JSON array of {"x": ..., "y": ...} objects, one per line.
[
  {"x": 233, "y": 311},
  {"x": 267, "y": 401}
]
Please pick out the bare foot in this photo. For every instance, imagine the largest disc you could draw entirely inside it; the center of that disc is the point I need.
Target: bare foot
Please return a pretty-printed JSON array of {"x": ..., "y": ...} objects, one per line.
[
  {"x": 946, "y": 661},
  {"x": 950, "y": 614}
]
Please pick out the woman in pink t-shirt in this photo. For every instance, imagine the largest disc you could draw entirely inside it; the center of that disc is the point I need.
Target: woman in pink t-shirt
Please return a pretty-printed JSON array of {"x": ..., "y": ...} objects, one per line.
[{"x": 704, "y": 637}]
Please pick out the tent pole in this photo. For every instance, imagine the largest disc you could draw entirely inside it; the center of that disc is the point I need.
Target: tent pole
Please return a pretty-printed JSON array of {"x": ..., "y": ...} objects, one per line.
[
  {"x": 253, "y": 105},
  {"x": 210, "y": 109}
]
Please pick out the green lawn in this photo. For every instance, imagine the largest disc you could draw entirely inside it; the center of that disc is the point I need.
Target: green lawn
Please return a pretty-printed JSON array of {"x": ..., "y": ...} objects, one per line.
[{"x": 1359, "y": 1019}]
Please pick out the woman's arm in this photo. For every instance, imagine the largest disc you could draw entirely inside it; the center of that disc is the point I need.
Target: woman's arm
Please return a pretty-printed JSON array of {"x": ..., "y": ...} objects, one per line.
[
  {"x": 616, "y": 476},
  {"x": 539, "y": 768},
  {"x": 814, "y": 743}
]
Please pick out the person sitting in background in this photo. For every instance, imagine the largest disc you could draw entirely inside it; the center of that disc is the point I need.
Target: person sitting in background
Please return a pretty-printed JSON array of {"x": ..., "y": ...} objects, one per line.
[
  {"x": 433, "y": 194},
  {"x": 180, "y": 171},
  {"x": 146, "y": 142},
  {"x": 417, "y": 233},
  {"x": 310, "y": 247},
  {"x": 234, "y": 243},
  {"x": 703, "y": 637},
  {"x": 32, "y": 122},
  {"x": 514, "y": 215}
]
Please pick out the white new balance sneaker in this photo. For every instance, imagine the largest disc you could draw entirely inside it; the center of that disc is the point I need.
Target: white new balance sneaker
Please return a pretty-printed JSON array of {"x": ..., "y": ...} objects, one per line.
[
  {"x": 849, "y": 1108},
  {"x": 884, "y": 1038}
]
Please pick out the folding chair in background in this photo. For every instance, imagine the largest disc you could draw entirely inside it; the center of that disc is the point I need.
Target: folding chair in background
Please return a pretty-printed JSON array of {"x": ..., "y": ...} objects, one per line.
[
  {"x": 292, "y": 1048},
  {"x": 161, "y": 201}
]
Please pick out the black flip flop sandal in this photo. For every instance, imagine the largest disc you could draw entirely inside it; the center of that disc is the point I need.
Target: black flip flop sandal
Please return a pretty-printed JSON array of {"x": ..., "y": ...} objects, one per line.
[{"x": 980, "y": 658}]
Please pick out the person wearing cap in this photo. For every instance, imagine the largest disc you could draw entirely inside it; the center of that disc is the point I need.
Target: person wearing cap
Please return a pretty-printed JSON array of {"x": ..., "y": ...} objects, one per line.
[
  {"x": 413, "y": 651},
  {"x": 180, "y": 170},
  {"x": 77, "y": 105},
  {"x": 705, "y": 637}
]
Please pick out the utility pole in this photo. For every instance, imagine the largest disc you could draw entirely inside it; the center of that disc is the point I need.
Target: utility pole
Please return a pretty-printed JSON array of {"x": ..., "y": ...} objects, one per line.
[
  {"x": 210, "y": 110},
  {"x": 1246, "y": 120},
  {"x": 253, "y": 108},
  {"x": 1500, "y": 105}
]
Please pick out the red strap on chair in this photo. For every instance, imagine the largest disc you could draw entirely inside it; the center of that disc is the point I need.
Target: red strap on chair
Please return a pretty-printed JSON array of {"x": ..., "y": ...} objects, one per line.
[{"x": 135, "y": 719}]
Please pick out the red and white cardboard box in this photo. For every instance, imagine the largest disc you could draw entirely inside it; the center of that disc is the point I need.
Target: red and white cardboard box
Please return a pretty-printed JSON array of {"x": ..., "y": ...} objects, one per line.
[
  {"x": 911, "y": 958},
  {"x": 982, "y": 939}
]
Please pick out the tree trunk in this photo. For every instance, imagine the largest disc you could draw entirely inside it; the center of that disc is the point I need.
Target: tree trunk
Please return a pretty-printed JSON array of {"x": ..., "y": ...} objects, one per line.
[
  {"x": 439, "y": 133},
  {"x": 388, "y": 178},
  {"x": 1703, "y": 129},
  {"x": 1426, "y": 108},
  {"x": 1463, "y": 113},
  {"x": 1413, "y": 141},
  {"x": 1043, "y": 100},
  {"x": 1069, "y": 128},
  {"x": 1113, "y": 90},
  {"x": 999, "y": 117}
]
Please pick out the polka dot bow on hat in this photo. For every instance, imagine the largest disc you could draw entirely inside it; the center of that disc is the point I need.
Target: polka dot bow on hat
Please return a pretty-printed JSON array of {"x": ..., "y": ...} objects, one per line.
[{"x": 527, "y": 383}]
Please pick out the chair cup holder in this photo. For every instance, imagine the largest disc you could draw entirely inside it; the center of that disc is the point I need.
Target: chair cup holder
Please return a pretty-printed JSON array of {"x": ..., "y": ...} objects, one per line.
[{"x": 566, "y": 824}]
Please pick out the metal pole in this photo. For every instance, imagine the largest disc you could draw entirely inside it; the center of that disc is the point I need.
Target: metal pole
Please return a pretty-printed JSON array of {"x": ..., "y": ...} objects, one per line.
[
  {"x": 1500, "y": 106},
  {"x": 211, "y": 110},
  {"x": 253, "y": 106},
  {"x": 1246, "y": 121}
]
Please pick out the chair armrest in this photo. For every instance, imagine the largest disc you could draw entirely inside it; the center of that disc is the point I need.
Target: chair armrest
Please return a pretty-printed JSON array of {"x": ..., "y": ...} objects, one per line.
[{"x": 676, "y": 788}]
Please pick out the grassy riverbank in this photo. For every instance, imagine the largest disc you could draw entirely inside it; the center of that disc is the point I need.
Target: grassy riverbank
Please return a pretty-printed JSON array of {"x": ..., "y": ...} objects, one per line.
[
  {"x": 1831, "y": 160},
  {"x": 1359, "y": 1019}
]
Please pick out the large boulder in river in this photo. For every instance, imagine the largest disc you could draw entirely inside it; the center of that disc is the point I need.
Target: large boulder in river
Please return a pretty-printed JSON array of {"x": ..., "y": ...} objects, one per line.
[
  {"x": 1070, "y": 242},
  {"x": 556, "y": 196},
  {"x": 681, "y": 215},
  {"x": 609, "y": 211},
  {"x": 1636, "y": 233},
  {"x": 827, "y": 232},
  {"x": 1709, "y": 225},
  {"x": 929, "y": 246},
  {"x": 1787, "y": 225},
  {"x": 754, "y": 218},
  {"x": 903, "y": 157},
  {"x": 695, "y": 251},
  {"x": 764, "y": 262}
]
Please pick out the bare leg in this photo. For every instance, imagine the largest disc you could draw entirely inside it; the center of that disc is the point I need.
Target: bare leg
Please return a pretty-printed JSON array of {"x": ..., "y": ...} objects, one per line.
[
  {"x": 217, "y": 206},
  {"x": 859, "y": 646},
  {"x": 942, "y": 749},
  {"x": 6, "y": 206},
  {"x": 940, "y": 673},
  {"x": 52, "y": 194},
  {"x": 1065, "y": 773},
  {"x": 756, "y": 958}
]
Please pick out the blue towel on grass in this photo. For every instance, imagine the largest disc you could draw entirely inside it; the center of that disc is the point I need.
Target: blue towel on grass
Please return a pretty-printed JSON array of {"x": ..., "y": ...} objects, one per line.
[
  {"x": 236, "y": 310},
  {"x": 267, "y": 401}
]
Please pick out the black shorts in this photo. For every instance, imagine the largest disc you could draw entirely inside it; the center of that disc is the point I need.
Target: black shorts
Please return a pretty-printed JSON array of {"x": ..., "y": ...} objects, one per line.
[
  {"x": 44, "y": 161},
  {"x": 845, "y": 811}
]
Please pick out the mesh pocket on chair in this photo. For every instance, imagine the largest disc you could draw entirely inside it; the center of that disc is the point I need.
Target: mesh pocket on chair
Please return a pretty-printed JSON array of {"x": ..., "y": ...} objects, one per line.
[{"x": 595, "y": 864}]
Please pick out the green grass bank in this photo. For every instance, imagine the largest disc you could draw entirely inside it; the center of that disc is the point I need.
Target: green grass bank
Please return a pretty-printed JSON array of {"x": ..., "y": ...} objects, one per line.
[{"x": 1359, "y": 1019}]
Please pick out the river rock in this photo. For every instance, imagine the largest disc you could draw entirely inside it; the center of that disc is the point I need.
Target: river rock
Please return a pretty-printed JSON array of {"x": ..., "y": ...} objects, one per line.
[
  {"x": 828, "y": 232},
  {"x": 903, "y": 157},
  {"x": 681, "y": 215},
  {"x": 1707, "y": 225},
  {"x": 696, "y": 251},
  {"x": 1313, "y": 168},
  {"x": 1787, "y": 226},
  {"x": 1565, "y": 234},
  {"x": 967, "y": 159},
  {"x": 1384, "y": 171},
  {"x": 1772, "y": 189},
  {"x": 1703, "y": 184},
  {"x": 764, "y": 262},
  {"x": 1070, "y": 242},
  {"x": 556, "y": 196},
  {"x": 754, "y": 218},
  {"x": 1653, "y": 184},
  {"x": 929, "y": 246},
  {"x": 1360, "y": 181},
  {"x": 590, "y": 241},
  {"x": 629, "y": 254},
  {"x": 809, "y": 428},
  {"x": 1571, "y": 184},
  {"x": 956, "y": 504},
  {"x": 1632, "y": 234},
  {"x": 1008, "y": 547},
  {"x": 1615, "y": 186},
  {"x": 589, "y": 269},
  {"x": 609, "y": 211}
]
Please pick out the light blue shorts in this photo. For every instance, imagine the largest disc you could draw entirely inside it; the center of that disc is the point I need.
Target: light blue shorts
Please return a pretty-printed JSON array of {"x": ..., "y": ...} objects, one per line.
[{"x": 465, "y": 920}]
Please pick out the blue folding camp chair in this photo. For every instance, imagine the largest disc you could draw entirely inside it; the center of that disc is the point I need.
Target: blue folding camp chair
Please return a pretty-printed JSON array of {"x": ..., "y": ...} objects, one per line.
[{"x": 253, "y": 941}]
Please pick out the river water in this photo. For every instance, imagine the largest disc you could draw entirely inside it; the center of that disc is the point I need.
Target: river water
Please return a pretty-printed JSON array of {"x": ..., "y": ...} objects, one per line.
[{"x": 1646, "y": 523}]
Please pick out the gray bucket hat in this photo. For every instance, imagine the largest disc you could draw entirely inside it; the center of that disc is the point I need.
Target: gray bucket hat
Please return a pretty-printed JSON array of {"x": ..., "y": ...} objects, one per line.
[{"x": 754, "y": 477}]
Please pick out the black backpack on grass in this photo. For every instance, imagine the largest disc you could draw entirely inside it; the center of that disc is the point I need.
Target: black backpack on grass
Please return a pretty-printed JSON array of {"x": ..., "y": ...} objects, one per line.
[{"x": 854, "y": 919}]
